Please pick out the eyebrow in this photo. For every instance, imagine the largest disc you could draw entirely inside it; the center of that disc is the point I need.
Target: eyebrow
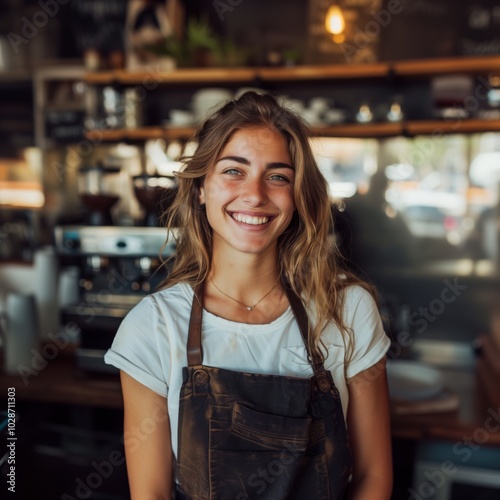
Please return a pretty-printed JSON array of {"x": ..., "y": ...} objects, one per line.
[{"x": 244, "y": 161}]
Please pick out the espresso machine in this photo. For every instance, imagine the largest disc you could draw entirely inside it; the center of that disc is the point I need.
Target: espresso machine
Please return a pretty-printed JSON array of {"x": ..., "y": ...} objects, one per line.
[{"x": 118, "y": 265}]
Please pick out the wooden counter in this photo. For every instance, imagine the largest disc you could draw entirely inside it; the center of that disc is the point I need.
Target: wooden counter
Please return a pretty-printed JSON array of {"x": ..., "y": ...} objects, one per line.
[
  {"x": 62, "y": 382},
  {"x": 468, "y": 422}
]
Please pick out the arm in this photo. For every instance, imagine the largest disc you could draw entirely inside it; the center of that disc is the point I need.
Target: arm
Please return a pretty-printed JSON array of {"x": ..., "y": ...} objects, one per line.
[
  {"x": 147, "y": 442},
  {"x": 368, "y": 423}
]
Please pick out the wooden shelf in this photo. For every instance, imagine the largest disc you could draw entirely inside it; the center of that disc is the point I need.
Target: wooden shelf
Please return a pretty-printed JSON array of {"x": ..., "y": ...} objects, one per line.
[
  {"x": 352, "y": 130},
  {"x": 455, "y": 126},
  {"x": 345, "y": 130},
  {"x": 200, "y": 76},
  {"x": 475, "y": 65},
  {"x": 410, "y": 128},
  {"x": 192, "y": 75},
  {"x": 427, "y": 67},
  {"x": 333, "y": 72},
  {"x": 359, "y": 130},
  {"x": 140, "y": 134},
  {"x": 241, "y": 75}
]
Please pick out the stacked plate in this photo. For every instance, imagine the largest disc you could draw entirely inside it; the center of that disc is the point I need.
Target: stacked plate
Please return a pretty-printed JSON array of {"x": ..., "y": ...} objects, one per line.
[{"x": 208, "y": 100}]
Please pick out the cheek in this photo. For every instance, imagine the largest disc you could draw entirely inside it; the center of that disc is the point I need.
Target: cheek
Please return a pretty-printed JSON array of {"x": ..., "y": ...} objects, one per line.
[
  {"x": 290, "y": 200},
  {"x": 213, "y": 189},
  {"x": 286, "y": 205},
  {"x": 213, "y": 214},
  {"x": 216, "y": 199}
]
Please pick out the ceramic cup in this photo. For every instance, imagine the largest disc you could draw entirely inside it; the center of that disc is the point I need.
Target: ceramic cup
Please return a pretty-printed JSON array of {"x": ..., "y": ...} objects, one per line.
[
  {"x": 45, "y": 281},
  {"x": 21, "y": 331},
  {"x": 68, "y": 288}
]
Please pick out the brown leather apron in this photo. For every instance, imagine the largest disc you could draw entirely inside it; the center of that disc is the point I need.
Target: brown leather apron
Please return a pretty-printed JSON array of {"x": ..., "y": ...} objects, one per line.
[{"x": 251, "y": 436}]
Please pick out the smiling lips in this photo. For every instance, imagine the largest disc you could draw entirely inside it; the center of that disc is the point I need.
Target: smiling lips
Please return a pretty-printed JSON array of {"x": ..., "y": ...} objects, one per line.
[{"x": 250, "y": 219}]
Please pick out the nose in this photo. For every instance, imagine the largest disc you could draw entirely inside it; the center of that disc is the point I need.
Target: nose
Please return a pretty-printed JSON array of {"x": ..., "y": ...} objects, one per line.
[{"x": 255, "y": 192}]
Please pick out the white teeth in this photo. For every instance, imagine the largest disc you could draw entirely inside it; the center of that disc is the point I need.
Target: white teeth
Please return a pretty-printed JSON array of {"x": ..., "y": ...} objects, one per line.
[{"x": 248, "y": 219}]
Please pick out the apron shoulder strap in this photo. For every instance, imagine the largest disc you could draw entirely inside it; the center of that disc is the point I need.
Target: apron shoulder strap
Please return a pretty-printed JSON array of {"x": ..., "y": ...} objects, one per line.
[
  {"x": 303, "y": 322},
  {"x": 194, "y": 350}
]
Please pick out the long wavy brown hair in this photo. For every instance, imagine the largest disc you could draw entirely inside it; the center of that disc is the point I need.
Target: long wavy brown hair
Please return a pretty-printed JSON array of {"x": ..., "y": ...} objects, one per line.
[{"x": 307, "y": 256}]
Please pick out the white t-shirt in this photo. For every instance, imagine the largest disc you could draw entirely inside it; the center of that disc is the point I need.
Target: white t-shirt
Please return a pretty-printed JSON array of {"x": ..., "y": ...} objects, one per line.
[{"x": 150, "y": 344}]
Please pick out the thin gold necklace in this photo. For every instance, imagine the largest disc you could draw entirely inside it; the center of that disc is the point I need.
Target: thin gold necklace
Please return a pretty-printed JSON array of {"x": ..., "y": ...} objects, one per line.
[{"x": 248, "y": 308}]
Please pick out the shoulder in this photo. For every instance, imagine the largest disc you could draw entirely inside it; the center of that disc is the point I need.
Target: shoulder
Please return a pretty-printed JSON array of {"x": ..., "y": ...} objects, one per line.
[
  {"x": 178, "y": 295},
  {"x": 173, "y": 297},
  {"x": 358, "y": 299},
  {"x": 158, "y": 306},
  {"x": 368, "y": 342},
  {"x": 157, "y": 321},
  {"x": 361, "y": 314},
  {"x": 150, "y": 341}
]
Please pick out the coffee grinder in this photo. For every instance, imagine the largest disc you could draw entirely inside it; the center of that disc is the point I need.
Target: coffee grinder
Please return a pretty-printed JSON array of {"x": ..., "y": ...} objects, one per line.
[{"x": 97, "y": 186}]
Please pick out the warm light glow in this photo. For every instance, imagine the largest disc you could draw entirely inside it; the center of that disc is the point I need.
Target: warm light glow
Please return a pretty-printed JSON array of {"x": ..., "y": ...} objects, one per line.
[
  {"x": 21, "y": 194},
  {"x": 21, "y": 180},
  {"x": 334, "y": 22}
]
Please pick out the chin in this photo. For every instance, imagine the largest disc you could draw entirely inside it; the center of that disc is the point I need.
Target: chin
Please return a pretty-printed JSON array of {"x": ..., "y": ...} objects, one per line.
[{"x": 252, "y": 248}]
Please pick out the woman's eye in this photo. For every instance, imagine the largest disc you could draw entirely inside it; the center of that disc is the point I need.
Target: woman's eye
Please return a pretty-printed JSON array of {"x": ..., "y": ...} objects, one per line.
[
  {"x": 280, "y": 178},
  {"x": 231, "y": 171}
]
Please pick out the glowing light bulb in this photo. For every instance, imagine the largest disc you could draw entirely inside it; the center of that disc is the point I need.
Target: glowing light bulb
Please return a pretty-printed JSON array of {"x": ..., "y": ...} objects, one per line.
[{"x": 335, "y": 23}]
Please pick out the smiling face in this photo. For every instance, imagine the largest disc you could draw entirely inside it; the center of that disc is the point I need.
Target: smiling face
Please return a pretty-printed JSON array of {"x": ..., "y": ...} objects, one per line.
[{"x": 248, "y": 192}]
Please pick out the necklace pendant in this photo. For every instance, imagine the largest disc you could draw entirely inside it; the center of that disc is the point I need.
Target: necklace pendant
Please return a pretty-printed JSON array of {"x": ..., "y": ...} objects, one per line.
[{"x": 248, "y": 308}]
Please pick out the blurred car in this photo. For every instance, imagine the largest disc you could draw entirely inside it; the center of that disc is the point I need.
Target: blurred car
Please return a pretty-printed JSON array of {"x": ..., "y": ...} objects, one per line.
[
  {"x": 428, "y": 210},
  {"x": 431, "y": 221}
]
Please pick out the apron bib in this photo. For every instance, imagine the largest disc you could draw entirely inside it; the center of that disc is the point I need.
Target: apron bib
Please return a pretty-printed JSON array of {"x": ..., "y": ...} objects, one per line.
[{"x": 250, "y": 436}]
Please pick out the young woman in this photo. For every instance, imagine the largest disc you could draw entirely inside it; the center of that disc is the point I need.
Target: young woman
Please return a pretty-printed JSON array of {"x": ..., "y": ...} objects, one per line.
[{"x": 267, "y": 353}]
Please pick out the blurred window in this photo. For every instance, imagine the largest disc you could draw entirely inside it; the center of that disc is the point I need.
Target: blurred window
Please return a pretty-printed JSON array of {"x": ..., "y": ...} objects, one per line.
[
  {"x": 443, "y": 188},
  {"x": 347, "y": 164}
]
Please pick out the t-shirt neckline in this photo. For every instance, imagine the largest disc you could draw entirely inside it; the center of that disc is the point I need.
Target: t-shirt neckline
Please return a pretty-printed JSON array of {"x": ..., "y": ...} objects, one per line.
[{"x": 235, "y": 325}]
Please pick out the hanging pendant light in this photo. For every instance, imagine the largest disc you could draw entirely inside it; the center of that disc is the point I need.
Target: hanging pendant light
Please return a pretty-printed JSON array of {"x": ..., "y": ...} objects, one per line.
[{"x": 335, "y": 23}]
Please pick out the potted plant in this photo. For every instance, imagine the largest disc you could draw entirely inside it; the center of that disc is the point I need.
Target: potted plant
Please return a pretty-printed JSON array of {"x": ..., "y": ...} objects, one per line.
[{"x": 200, "y": 47}]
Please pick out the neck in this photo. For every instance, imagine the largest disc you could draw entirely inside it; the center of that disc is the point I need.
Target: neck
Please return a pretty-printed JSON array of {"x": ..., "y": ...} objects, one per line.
[{"x": 245, "y": 277}]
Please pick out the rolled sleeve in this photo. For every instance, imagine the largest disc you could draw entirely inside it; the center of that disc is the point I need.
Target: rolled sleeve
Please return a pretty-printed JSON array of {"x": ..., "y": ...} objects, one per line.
[
  {"x": 370, "y": 342},
  {"x": 135, "y": 347}
]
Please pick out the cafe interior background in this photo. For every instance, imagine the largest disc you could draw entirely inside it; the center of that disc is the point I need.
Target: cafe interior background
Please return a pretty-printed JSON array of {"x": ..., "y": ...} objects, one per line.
[{"x": 98, "y": 101}]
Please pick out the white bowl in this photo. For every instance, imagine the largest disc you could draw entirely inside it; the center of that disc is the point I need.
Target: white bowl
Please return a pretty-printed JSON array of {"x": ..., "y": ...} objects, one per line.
[
  {"x": 208, "y": 100},
  {"x": 212, "y": 94},
  {"x": 412, "y": 380},
  {"x": 181, "y": 118}
]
